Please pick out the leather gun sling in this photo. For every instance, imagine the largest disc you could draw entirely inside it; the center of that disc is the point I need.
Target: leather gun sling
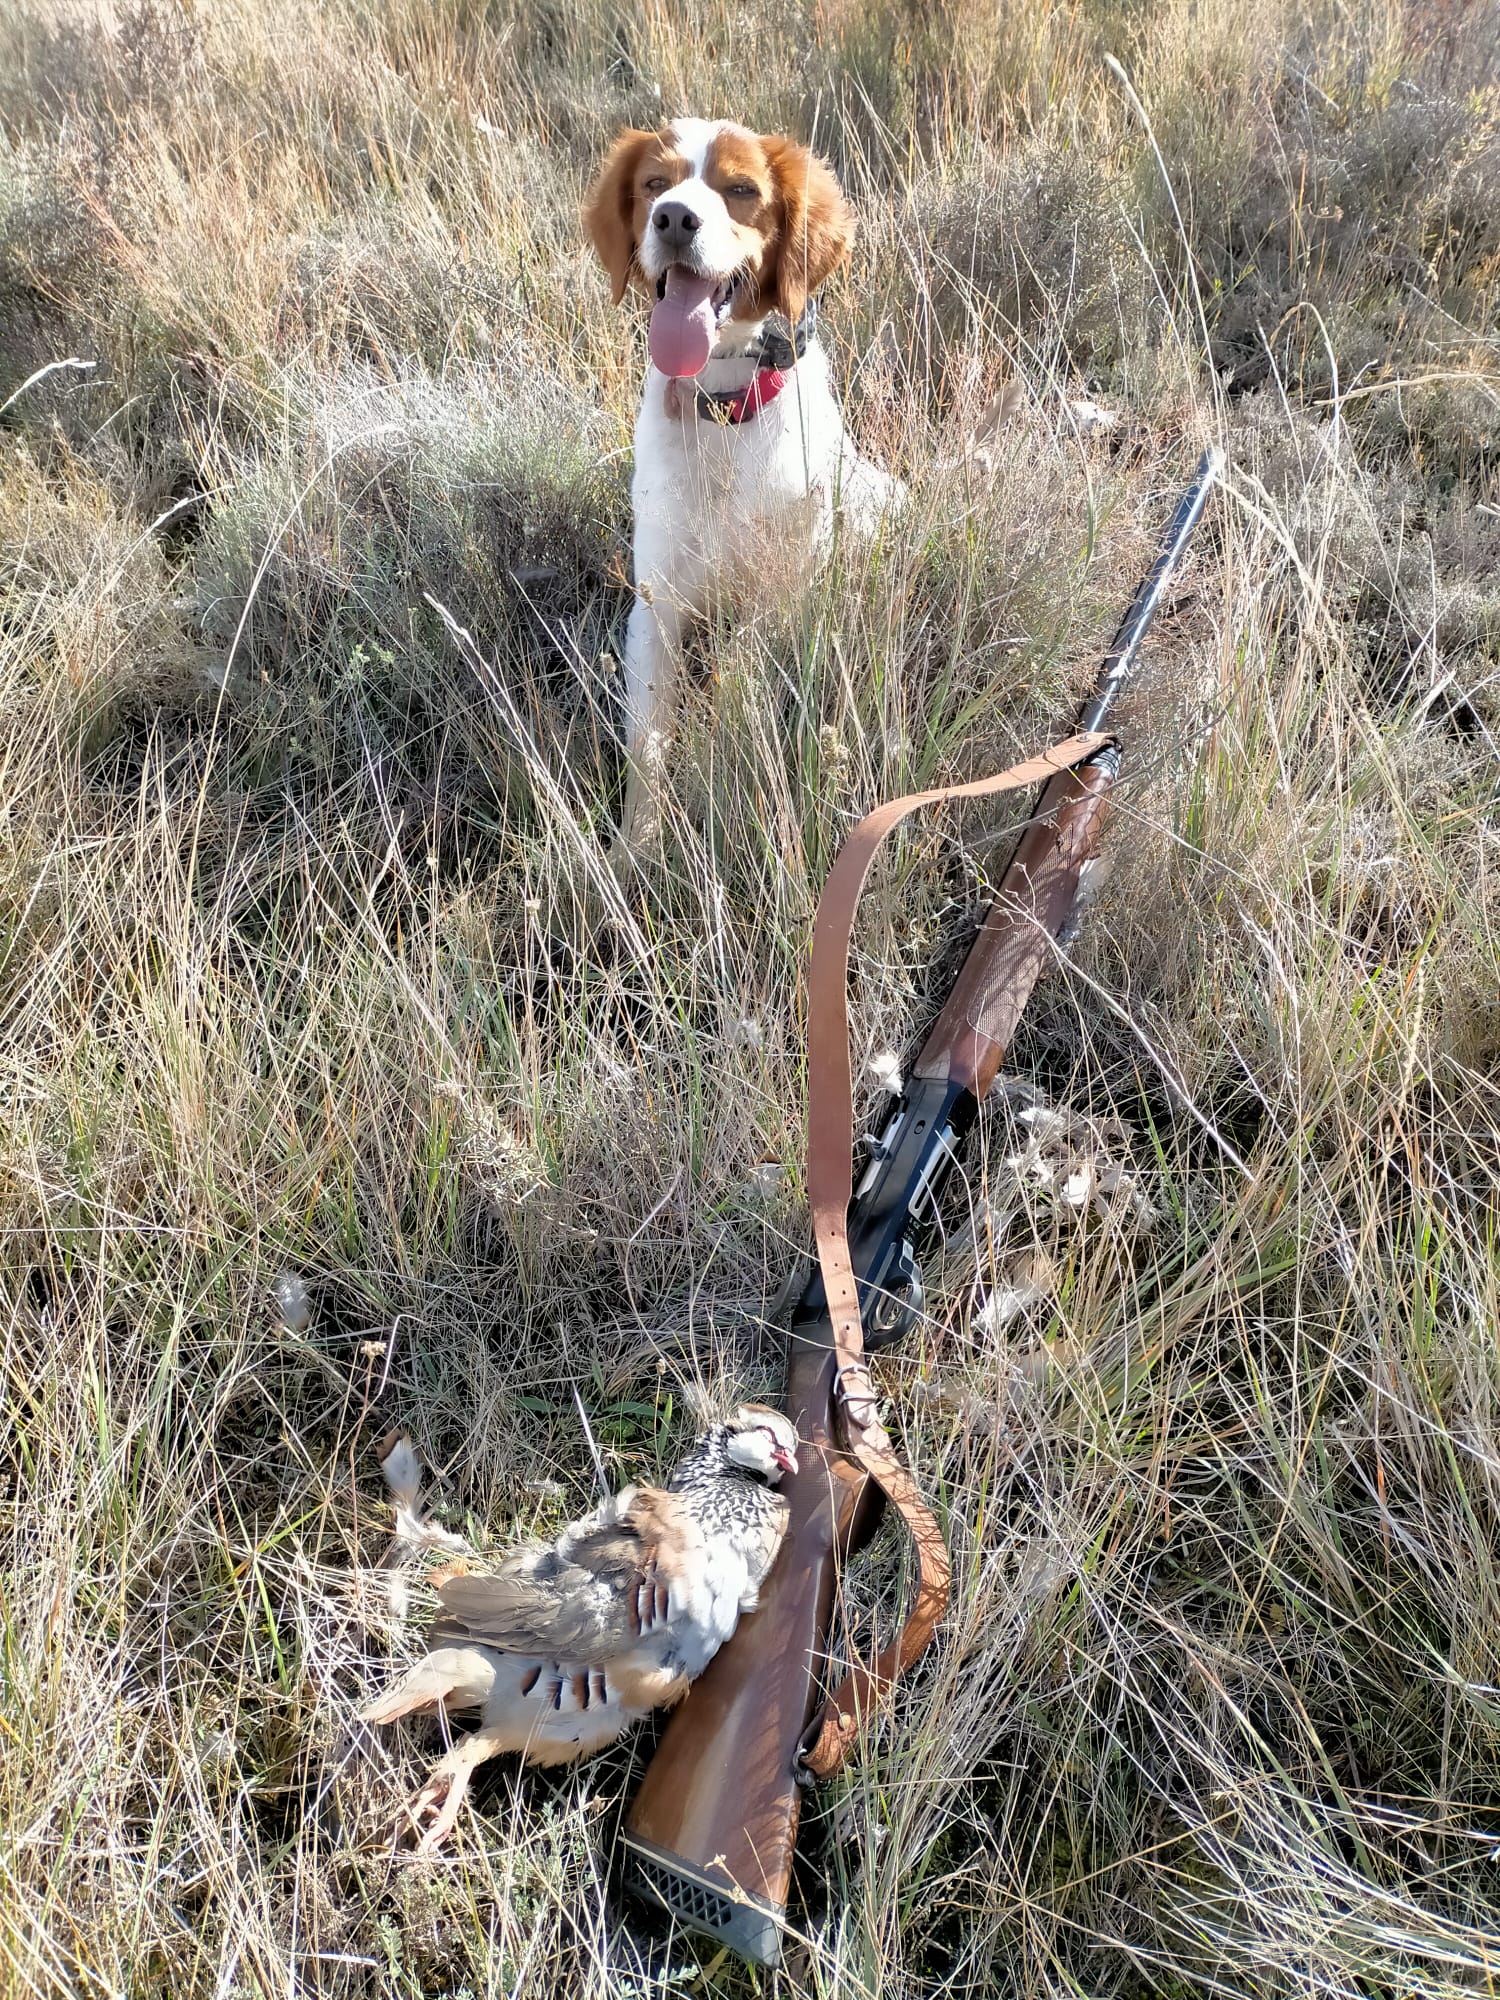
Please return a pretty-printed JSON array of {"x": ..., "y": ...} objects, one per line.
[{"x": 830, "y": 1182}]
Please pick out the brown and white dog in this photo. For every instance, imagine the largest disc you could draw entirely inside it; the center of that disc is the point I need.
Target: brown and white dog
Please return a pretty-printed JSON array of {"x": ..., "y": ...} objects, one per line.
[{"x": 740, "y": 442}]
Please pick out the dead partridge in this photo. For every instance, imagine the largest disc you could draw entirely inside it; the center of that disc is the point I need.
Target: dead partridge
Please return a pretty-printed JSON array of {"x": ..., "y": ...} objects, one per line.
[{"x": 567, "y": 1645}]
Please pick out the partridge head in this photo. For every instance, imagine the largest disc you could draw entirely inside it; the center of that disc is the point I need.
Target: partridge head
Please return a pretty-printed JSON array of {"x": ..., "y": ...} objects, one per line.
[{"x": 571, "y": 1642}]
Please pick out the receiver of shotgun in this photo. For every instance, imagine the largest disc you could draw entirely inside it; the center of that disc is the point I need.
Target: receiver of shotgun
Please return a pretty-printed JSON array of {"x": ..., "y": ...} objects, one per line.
[{"x": 713, "y": 1827}]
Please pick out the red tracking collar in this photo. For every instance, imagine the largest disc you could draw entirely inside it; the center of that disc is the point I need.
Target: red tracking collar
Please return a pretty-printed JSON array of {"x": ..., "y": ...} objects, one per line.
[
  {"x": 736, "y": 406},
  {"x": 728, "y": 406}
]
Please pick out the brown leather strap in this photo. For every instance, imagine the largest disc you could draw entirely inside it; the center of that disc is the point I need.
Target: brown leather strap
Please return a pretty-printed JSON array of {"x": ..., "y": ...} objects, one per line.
[{"x": 830, "y": 1182}]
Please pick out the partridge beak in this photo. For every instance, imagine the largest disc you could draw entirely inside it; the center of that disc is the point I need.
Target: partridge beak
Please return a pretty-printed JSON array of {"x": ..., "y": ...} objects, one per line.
[{"x": 785, "y": 1460}]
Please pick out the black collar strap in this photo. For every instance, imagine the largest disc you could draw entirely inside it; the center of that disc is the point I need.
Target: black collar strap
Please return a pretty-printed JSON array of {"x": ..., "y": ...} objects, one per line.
[{"x": 776, "y": 349}]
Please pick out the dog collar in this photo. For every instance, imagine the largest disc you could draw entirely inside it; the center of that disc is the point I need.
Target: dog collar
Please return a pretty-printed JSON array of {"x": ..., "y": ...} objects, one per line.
[
  {"x": 776, "y": 354},
  {"x": 737, "y": 406}
]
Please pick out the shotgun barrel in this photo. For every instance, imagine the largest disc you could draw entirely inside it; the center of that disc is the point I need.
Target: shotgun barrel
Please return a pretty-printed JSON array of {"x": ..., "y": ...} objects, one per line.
[{"x": 712, "y": 1830}]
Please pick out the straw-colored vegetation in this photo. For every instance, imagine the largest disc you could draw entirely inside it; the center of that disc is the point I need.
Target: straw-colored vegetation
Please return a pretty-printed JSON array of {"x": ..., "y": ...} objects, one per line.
[{"x": 311, "y": 961}]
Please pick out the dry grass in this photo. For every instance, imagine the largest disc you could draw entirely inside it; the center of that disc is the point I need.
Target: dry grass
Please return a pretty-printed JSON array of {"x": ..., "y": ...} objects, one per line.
[{"x": 309, "y": 960}]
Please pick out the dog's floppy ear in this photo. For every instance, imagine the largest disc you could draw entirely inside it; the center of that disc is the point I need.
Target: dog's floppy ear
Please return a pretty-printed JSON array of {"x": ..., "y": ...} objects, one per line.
[
  {"x": 817, "y": 225},
  {"x": 609, "y": 212}
]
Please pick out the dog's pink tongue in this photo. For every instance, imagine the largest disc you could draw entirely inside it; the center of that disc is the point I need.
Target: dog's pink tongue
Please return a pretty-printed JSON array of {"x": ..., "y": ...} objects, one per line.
[{"x": 682, "y": 325}]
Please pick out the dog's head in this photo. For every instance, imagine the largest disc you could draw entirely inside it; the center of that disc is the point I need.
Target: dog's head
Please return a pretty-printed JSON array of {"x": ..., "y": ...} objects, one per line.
[{"x": 717, "y": 222}]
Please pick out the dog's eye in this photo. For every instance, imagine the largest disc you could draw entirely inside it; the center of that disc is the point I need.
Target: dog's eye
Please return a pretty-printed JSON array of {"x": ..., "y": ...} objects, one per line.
[
  {"x": 658, "y": 184},
  {"x": 744, "y": 191}
]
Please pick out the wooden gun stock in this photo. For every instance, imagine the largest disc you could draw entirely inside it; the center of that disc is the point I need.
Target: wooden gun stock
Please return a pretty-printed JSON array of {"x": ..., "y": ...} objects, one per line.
[{"x": 714, "y": 1823}]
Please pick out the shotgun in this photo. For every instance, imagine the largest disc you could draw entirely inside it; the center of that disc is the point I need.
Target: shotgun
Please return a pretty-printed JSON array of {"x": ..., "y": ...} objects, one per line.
[{"x": 711, "y": 1833}]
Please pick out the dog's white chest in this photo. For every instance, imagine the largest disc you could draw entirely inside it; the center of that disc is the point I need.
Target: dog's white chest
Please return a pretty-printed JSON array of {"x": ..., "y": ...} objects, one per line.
[{"x": 707, "y": 477}]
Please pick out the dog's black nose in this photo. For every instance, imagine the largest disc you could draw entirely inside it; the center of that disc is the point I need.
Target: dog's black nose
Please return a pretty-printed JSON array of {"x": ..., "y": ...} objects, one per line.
[{"x": 675, "y": 221}]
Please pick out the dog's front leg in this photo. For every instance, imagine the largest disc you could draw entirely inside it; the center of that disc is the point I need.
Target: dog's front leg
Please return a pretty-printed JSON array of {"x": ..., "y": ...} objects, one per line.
[{"x": 653, "y": 648}]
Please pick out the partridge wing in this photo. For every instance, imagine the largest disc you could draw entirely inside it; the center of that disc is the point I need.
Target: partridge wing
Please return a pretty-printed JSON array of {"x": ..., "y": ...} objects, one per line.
[{"x": 606, "y": 1584}]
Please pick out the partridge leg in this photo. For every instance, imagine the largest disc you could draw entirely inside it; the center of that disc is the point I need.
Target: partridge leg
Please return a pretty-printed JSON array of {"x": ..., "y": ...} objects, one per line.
[{"x": 436, "y": 1808}]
